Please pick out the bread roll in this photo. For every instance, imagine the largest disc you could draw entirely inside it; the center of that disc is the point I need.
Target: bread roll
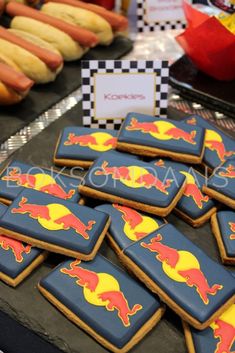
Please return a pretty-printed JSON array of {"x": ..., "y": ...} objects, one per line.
[
  {"x": 8, "y": 95},
  {"x": 28, "y": 63},
  {"x": 81, "y": 17},
  {"x": 68, "y": 48},
  {"x": 37, "y": 41}
]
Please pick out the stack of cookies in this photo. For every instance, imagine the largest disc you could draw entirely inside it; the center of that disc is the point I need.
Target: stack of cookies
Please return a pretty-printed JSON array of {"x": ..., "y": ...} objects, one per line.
[{"x": 147, "y": 170}]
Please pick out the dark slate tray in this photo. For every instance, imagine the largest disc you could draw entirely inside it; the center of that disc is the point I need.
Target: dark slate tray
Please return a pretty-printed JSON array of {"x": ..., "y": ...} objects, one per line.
[
  {"x": 27, "y": 306},
  {"x": 41, "y": 98},
  {"x": 197, "y": 86}
]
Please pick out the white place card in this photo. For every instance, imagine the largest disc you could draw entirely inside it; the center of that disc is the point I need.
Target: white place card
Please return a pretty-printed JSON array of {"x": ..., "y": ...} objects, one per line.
[
  {"x": 113, "y": 88},
  {"x": 155, "y": 15}
]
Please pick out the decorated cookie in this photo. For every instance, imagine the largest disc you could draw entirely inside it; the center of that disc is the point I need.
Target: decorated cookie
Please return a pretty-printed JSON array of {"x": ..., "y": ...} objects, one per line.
[
  {"x": 194, "y": 286},
  {"x": 223, "y": 227},
  {"x": 80, "y": 146},
  {"x": 104, "y": 301},
  {"x": 17, "y": 260},
  {"x": 17, "y": 176},
  {"x": 218, "y": 145},
  {"x": 128, "y": 225},
  {"x": 150, "y": 136},
  {"x": 132, "y": 183},
  {"x": 219, "y": 337},
  {"x": 54, "y": 224},
  {"x": 221, "y": 185},
  {"x": 194, "y": 206}
]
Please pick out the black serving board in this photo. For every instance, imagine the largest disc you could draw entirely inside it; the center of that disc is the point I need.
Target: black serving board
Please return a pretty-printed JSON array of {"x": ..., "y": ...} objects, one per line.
[
  {"x": 43, "y": 97},
  {"x": 197, "y": 86},
  {"x": 26, "y": 305}
]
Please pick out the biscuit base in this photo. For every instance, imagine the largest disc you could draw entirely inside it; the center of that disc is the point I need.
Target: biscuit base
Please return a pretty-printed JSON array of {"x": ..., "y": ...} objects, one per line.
[
  {"x": 153, "y": 286},
  {"x": 222, "y": 250},
  {"x": 198, "y": 222},
  {"x": 8, "y": 202},
  {"x": 159, "y": 211},
  {"x": 77, "y": 321},
  {"x": 188, "y": 337},
  {"x": 219, "y": 197},
  {"x": 13, "y": 282},
  {"x": 153, "y": 152},
  {"x": 72, "y": 163},
  {"x": 56, "y": 248}
]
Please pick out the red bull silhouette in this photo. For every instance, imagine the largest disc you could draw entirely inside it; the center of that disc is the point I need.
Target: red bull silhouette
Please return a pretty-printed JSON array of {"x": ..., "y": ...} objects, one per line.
[
  {"x": 232, "y": 227},
  {"x": 165, "y": 253},
  {"x": 17, "y": 247},
  {"x": 219, "y": 148},
  {"x": 192, "y": 121},
  {"x": 149, "y": 180},
  {"x": 154, "y": 128},
  {"x": 35, "y": 211},
  {"x": 144, "y": 127},
  {"x": 84, "y": 140},
  {"x": 116, "y": 300},
  {"x": 132, "y": 217},
  {"x": 67, "y": 221},
  {"x": 112, "y": 299},
  {"x": 225, "y": 332},
  {"x": 111, "y": 142},
  {"x": 195, "y": 278},
  {"x": 192, "y": 190},
  {"x": 230, "y": 172},
  {"x": 85, "y": 278},
  {"x": 116, "y": 172},
  {"x": 30, "y": 181},
  {"x": 71, "y": 221},
  {"x": 179, "y": 134}
]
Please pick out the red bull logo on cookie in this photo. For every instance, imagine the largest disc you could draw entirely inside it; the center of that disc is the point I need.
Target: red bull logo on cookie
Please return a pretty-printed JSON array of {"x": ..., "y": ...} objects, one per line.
[
  {"x": 214, "y": 142},
  {"x": 162, "y": 130},
  {"x": 191, "y": 190},
  {"x": 136, "y": 225},
  {"x": 17, "y": 247},
  {"x": 40, "y": 181},
  {"x": 102, "y": 289},
  {"x": 54, "y": 217},
  {"x": 97, "y": 141},
  {"x": 224, "y": 331},
  {"x": 229, "y": 172},
  {"x": 135, "y": 177},
  {"x": 232, "y": 227},
  {"x": 182, "y": 266}
]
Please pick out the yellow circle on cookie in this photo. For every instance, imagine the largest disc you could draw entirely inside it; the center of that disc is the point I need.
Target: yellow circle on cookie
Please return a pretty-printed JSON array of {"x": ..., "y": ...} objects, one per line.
[
  {"x": 135, "y": 173},
  {"x": 101, "y": 138},
  {"x": 186, "y": 261},
  {"x": 56, "y": 211},
  {"x": 189, "y": 178},
  {"x": 212, "y": 135},
  {"x": 147, "y": 226},
  {"x": 43, "y": 180},
  {"x": 228, "y": 316},
  {"x": 163, "y": 127},
  {"x": 106, "y": 283}
]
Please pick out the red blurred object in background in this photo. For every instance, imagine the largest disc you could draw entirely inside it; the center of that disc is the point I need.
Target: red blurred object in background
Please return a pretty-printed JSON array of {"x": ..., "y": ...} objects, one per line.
[
  {"x": 108, "y": 4},
  {"x": 209, "y": 45},
  {"x": 2, "y": 5}
]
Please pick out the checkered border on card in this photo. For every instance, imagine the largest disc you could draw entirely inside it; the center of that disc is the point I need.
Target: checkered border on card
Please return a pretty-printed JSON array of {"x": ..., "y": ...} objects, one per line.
[
  {"x": 144, "y": 26},
  {"x": 90, "y": 68}
]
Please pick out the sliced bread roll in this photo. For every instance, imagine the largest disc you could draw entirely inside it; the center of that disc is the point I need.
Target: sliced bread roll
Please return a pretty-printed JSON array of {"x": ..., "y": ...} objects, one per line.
[
  {"x": 68, "y": 48},
  {"x": 28, "y": 63},
  {"x": 37, "y": 41},
  {"x": 83, "y": 18}
]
